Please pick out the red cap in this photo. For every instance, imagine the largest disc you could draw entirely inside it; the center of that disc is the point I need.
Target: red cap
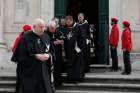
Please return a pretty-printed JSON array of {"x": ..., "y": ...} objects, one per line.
[
  {"x": 114, "y": 19},
  {"x": 126, "y": 23},
  {"x": 26, "y": 28}
]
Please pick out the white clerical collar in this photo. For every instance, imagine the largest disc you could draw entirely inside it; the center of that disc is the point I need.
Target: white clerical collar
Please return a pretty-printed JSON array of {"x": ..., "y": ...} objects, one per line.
[{"x": 34, "y": 31}]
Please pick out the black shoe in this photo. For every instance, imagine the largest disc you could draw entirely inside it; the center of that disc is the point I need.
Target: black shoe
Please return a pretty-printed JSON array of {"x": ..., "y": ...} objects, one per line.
[
  {"x": 87, "y": 70},
  {"x": 123, "y": 73},
  {"x": 80, "y": 80},
  {"x": 113, "y": 70},
  {"x": 58, "y": 84},
  {"x": 128, "y": 73},
  {"x": 72, "y": 81}
]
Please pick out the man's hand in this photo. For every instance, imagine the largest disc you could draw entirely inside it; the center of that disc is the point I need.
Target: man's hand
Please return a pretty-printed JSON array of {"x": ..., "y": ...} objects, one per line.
[
  {"x": 61, "y": 42},
  {"x": 42, "y": 57},
  {"x": 58, "y": 42}
]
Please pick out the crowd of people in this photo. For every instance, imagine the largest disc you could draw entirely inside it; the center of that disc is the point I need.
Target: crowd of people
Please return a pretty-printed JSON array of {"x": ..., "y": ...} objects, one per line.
[{"x": 43, "y": 52}]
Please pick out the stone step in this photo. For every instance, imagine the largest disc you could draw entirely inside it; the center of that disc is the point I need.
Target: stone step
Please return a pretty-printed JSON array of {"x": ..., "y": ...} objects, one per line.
[
  {"x": 12, "y": 90},
  {"x": 111, "y": 81},
  {"x": 93, "y": 78},
  {"x": 117, "y": 79},
  {"x": 7, "y": 84},
  {"x": 100, "y": 66},
  {"x": 86, "y": 86},
  {"x": 92, "y": 82},
  {"x": 7, "y": 77},
  {"x": 7, "y": 90},
  {"x": 76, "y": 91},
  {"x": 97, "y": 68},
  {"x": 103, "y": 86}
]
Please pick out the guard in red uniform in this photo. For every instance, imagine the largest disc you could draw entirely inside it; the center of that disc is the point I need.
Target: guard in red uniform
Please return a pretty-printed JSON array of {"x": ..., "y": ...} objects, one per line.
[
  {"x": 18, "y": 39},
  {"x": 126, "y": 47},
  {"x": 15, "y": 50},
  {"x": 113, "y": 41}
]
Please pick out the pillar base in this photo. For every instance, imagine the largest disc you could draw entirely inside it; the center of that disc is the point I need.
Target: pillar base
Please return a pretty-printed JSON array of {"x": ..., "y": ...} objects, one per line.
[{"x": 3, "y": 46}]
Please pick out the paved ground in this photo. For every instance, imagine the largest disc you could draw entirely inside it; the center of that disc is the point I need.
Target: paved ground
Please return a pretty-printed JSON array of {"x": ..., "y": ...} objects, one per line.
[{"x": 5, "y": 64}]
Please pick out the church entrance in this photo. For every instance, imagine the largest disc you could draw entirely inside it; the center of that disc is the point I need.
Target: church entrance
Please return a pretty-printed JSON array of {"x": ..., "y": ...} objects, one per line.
[
  {"x": 89, "y": 8},
  {"x": 97, "y": 13}
]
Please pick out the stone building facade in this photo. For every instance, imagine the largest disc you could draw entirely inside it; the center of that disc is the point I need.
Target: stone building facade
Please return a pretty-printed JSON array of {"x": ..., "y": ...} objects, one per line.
[{"x": 15, "y": 13}]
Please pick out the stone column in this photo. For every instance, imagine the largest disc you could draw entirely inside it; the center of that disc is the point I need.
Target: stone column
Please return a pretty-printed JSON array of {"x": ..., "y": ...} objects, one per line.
[
  {"x": 2, "y": 49},
  {"x": 2, "y": 44},
  {"x": 47, "y": 9}
]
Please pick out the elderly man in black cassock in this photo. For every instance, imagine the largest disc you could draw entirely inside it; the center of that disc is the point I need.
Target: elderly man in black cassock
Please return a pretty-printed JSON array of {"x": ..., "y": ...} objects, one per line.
[
  {"x": 57, "y": 41},
  {"x": 85, "y": 30},
  {"x": 34, "y": 61}
]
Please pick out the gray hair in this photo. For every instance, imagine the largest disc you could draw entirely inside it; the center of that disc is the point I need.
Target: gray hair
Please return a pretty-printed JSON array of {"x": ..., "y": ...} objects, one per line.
[
  {"x": 52, "y": 24},
  {"x": 38, "y": 21},
  {"x": 82, "y": 14},
  {"x": 56, "y": 20}
]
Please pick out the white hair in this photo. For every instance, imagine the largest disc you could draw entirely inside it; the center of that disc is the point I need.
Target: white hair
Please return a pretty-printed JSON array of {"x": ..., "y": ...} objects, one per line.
[
  {"x": 56, "y": 20},
  {"x": 52, "y": 24},
  {"x": 81, "y": 14},
  {"x": 38, "y": 21}
]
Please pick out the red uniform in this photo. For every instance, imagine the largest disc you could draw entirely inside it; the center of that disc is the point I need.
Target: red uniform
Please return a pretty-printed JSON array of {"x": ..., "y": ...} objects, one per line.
[
  {"x": 114, "y": 36},
  {"x": 126, "y": 40}
]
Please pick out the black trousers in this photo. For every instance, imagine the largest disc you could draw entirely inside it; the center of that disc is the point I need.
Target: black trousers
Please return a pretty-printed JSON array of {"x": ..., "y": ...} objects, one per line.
[
  {"x": 127, "y": 64},
  {"x": 58, "y": 66},
  {"x": 86, "y": 53},
  {"x": 114, "y": 57}
]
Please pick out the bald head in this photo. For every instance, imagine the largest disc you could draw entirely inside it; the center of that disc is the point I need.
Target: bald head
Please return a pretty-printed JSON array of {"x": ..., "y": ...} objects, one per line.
[{"x": 39, "y": 26}]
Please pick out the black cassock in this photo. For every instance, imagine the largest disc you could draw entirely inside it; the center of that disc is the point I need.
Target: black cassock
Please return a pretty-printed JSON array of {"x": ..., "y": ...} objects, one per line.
[
  {"x": 58, "y": 59},
  {"x": 33, "y": 75},
  {"x": 63, "y": 31},
  {"x": 75, "y": 63},
  {"x": 85, "y": 32}
]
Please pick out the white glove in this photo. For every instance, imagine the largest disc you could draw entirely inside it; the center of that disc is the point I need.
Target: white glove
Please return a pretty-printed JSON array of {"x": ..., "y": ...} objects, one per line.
[
  {"x": 77, "y": 49},
  {"x": 87, "y": 41}
]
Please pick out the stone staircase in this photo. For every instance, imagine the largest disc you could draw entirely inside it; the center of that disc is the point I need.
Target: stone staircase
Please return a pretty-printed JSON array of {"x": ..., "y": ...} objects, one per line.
[
  {"x": 98, "y": 81},
  {"x": 7, "y": 83},
  {"x": 92, "y": 84}
]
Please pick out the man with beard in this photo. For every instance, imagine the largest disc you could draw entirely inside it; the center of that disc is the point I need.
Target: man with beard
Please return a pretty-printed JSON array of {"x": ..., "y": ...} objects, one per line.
[{"x": 34, "y": 59}]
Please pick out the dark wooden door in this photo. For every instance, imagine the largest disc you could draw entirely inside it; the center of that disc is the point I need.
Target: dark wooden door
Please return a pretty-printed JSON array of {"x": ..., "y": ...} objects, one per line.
[
  {"x": 103, "y": 46},
  {"x": 60, "y": 8},
  {"x": 103, "y": 27}
]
